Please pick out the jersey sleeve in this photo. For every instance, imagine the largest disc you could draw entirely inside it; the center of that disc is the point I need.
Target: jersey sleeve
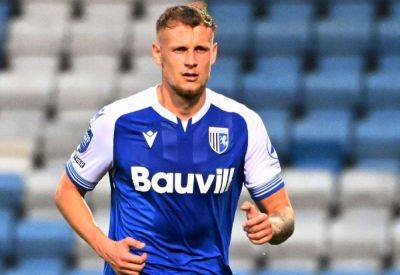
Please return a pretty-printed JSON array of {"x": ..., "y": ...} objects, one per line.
[
  {"x": 262, "y": 168},
  {"x": 93, "y": 156}
]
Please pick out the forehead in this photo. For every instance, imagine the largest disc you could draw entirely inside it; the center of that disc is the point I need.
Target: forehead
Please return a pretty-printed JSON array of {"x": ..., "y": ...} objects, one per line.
[{"x": 182, "y": 33}]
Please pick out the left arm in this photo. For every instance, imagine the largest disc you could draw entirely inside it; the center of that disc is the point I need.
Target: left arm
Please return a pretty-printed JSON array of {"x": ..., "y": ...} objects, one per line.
[{"x": 275, "y": 222}]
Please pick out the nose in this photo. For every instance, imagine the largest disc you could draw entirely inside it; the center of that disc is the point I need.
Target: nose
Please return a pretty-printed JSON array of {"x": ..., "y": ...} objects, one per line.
[{"x": 191, "y": 60}]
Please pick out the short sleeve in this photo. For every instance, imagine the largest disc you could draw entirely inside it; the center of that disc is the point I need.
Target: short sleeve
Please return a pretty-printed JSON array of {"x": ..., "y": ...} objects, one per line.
[
  {"x": 93, "y": 156},
  {"x": 262, "y": 168}
]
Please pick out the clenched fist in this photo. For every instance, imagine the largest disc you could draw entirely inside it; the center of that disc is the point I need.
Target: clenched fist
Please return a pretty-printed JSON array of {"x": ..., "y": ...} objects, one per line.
[{"x": 258, "y": 227}]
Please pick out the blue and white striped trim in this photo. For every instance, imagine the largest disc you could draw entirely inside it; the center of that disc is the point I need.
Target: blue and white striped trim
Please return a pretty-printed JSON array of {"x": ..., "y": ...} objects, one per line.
[
  {"x": 267, "y": 189},
  {"x": 77, "y": 179}
]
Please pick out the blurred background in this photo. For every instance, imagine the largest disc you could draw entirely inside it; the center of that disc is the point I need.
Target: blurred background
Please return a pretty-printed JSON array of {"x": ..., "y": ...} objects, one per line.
[{"x": 324, "y": 76}]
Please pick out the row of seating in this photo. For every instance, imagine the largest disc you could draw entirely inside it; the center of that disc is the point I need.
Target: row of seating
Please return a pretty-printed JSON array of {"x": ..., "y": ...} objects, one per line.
[{"x": 105, "y": 29}]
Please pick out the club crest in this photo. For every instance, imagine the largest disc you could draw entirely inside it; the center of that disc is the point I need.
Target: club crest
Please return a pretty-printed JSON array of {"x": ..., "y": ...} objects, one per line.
[
  {"x": 218, "y": 139},
  {"x": 86, "y": 141}
]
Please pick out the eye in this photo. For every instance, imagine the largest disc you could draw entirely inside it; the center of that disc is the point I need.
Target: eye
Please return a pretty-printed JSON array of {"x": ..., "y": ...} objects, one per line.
[
  {"x": 201, "y": 49},
  {"x": 180, "y": 50}
]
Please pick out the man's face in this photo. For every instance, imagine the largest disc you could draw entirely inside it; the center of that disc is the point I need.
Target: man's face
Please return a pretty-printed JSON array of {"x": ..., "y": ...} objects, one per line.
[{"x": 185, "y": 55}]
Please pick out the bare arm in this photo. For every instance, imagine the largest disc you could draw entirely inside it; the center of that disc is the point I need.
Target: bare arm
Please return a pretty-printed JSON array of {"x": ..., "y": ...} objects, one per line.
[
  {"x": 72, "y": 205},
  {"x": 275, "y": 222}
]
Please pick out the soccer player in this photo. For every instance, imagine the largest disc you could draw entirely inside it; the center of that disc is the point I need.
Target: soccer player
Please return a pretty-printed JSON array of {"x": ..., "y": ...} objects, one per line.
[{"x": 177, "y": 156}]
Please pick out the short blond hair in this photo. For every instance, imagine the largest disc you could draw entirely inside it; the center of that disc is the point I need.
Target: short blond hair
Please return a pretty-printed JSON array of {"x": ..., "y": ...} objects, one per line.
[{"x": 193, "y": 14}]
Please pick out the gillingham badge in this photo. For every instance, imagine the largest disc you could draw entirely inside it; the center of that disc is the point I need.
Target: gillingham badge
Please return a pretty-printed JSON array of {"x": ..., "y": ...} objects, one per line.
[{"x": 218, "y": 139}]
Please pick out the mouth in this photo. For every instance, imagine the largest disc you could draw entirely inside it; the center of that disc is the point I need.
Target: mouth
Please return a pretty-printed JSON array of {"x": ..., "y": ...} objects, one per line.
[{"x": 191, "y": 77}]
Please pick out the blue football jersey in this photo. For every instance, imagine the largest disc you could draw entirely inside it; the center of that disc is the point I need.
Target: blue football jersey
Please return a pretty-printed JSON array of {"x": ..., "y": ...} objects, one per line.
[{"x": 175, "y": 184}]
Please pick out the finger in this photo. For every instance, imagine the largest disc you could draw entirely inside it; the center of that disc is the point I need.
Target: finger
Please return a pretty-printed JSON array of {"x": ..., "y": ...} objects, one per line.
[
  {"x": 131, "y": 242},
  {"x": 251, "y": 209},
  {"x": 135, "y": 259},
  {"x": 261, "y": 217},
  {"x": 132, "y": 267},
  {"x": 259, "y": 235},
  {"x": 257, "y": 227},
  {"x": 262, "y": 241}
]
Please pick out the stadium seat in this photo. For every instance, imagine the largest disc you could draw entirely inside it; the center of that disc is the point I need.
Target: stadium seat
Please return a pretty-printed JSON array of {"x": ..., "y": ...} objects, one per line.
[
  {"x": 11, "y": 188},
  {"x": 78, "y": 271},
  {"x": 108, "y": 13},
  {"x": 278, "y": 125},
  {"x": 70, "y": 134},
  {"x": 37, "y": 239},
  {"x": 4, "y": 13},
  {"x": 303, "y": 250},
  {"x": 141, "y": 36},
  {"x": 388, "y": 32},
  {"x": 360, "y": 188},
  {"x": 378, "y": 135},
  {"x": 336, "y": 84},
  {"x": 389, "y": 164},
  {"x": 350, "y": 271},
  {"x": 144, "y": 74},
  {"x": 19, "y": 141},
  {"x": 286, "y": 271},
  {"x": 32, "y": 93},
  {"x": 92, "y": 38},
  {"x": 42, "y": 266},
  {"x": 382, "y": 86},
  {"x": 369, "y": 241},
  {"x": 225, "y": 77},
  {"x": 347, "y": 31},
  {"x": 223, "y": 14},
  {"x": 314, "y": 146},
  {"x": 39, "y": 192},
  {"x": 286, "y": 30},
  {"x": 310, "y": 189},
  {"x": 6, "y": 233},
  {"x": 274, "y": 83}
]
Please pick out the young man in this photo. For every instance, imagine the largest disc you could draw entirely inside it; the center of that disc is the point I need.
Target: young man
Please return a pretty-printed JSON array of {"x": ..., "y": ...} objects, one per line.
[{"x": 177, "y": 155}]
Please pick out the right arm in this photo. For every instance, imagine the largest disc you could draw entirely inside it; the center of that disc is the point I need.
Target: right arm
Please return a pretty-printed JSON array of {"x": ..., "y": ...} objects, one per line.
[{"x": 72, "y": 205}]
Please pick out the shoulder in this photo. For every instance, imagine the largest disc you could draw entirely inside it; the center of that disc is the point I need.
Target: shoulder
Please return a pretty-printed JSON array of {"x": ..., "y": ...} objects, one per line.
[
  {"x": 109, "y": 114},
  {"x": 232, "y": 106}
]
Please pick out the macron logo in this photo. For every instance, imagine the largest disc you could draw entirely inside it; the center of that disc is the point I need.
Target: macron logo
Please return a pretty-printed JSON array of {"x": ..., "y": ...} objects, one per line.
[
  {"x": 172, "y": 182},
  {"x": 150, "y": 137}
]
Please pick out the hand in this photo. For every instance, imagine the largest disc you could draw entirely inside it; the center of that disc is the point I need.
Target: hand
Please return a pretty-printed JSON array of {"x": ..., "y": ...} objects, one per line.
[
  {"x": 118, "y": 255},
  {"x": 258, "y": 227}
]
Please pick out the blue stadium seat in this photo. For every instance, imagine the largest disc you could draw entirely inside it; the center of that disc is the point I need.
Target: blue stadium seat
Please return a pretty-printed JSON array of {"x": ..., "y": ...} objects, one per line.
[
  {"x": 352, "y": 10},
  {"x": 270, "y": 89},
  {"x": 43, "y": 266},
  {"x": 278, "y": 38},
  {"x": 78, "y": 271},
  {"x": 232, "y": 41},
  {"x": 11, "y": 188},
  {"x": 349, "y": 271},
  {"x": 382, "y": 86},
  {"x": 394, "y": 271},
  {"x": 392, "y": 165},
  {"x": 388, "y": 36},
  {"x": 285, "y": 271},
  {"x": 278, "y": 125},
  {"x": 378, "y": 135},
  {"x": 225, "y": 77},
  {"x": 39, "y": 239},
  {"x": 347, "y": 31},
  {"x": 291, "y": 11},
  {"x": 4, "y": 14},
  {"x": 279, "y": 65},
  {"x": 6, "y": 236},
  {"x": 321, "y": 139},
  {"x": 336, "y": 84}
]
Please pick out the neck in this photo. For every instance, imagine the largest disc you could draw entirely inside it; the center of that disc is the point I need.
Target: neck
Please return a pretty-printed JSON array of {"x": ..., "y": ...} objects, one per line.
[{"x": 184, "y": 108}]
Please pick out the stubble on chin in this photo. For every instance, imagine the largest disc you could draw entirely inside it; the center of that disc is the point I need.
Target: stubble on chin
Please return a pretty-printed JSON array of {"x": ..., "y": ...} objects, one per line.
[{"x": 189, "y": 94}]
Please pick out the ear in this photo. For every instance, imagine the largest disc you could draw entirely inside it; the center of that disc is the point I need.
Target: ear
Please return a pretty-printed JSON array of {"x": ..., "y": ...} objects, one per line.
[
  {"x": 156, "y": 51},
  {"x": 214, "y": 51}
]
